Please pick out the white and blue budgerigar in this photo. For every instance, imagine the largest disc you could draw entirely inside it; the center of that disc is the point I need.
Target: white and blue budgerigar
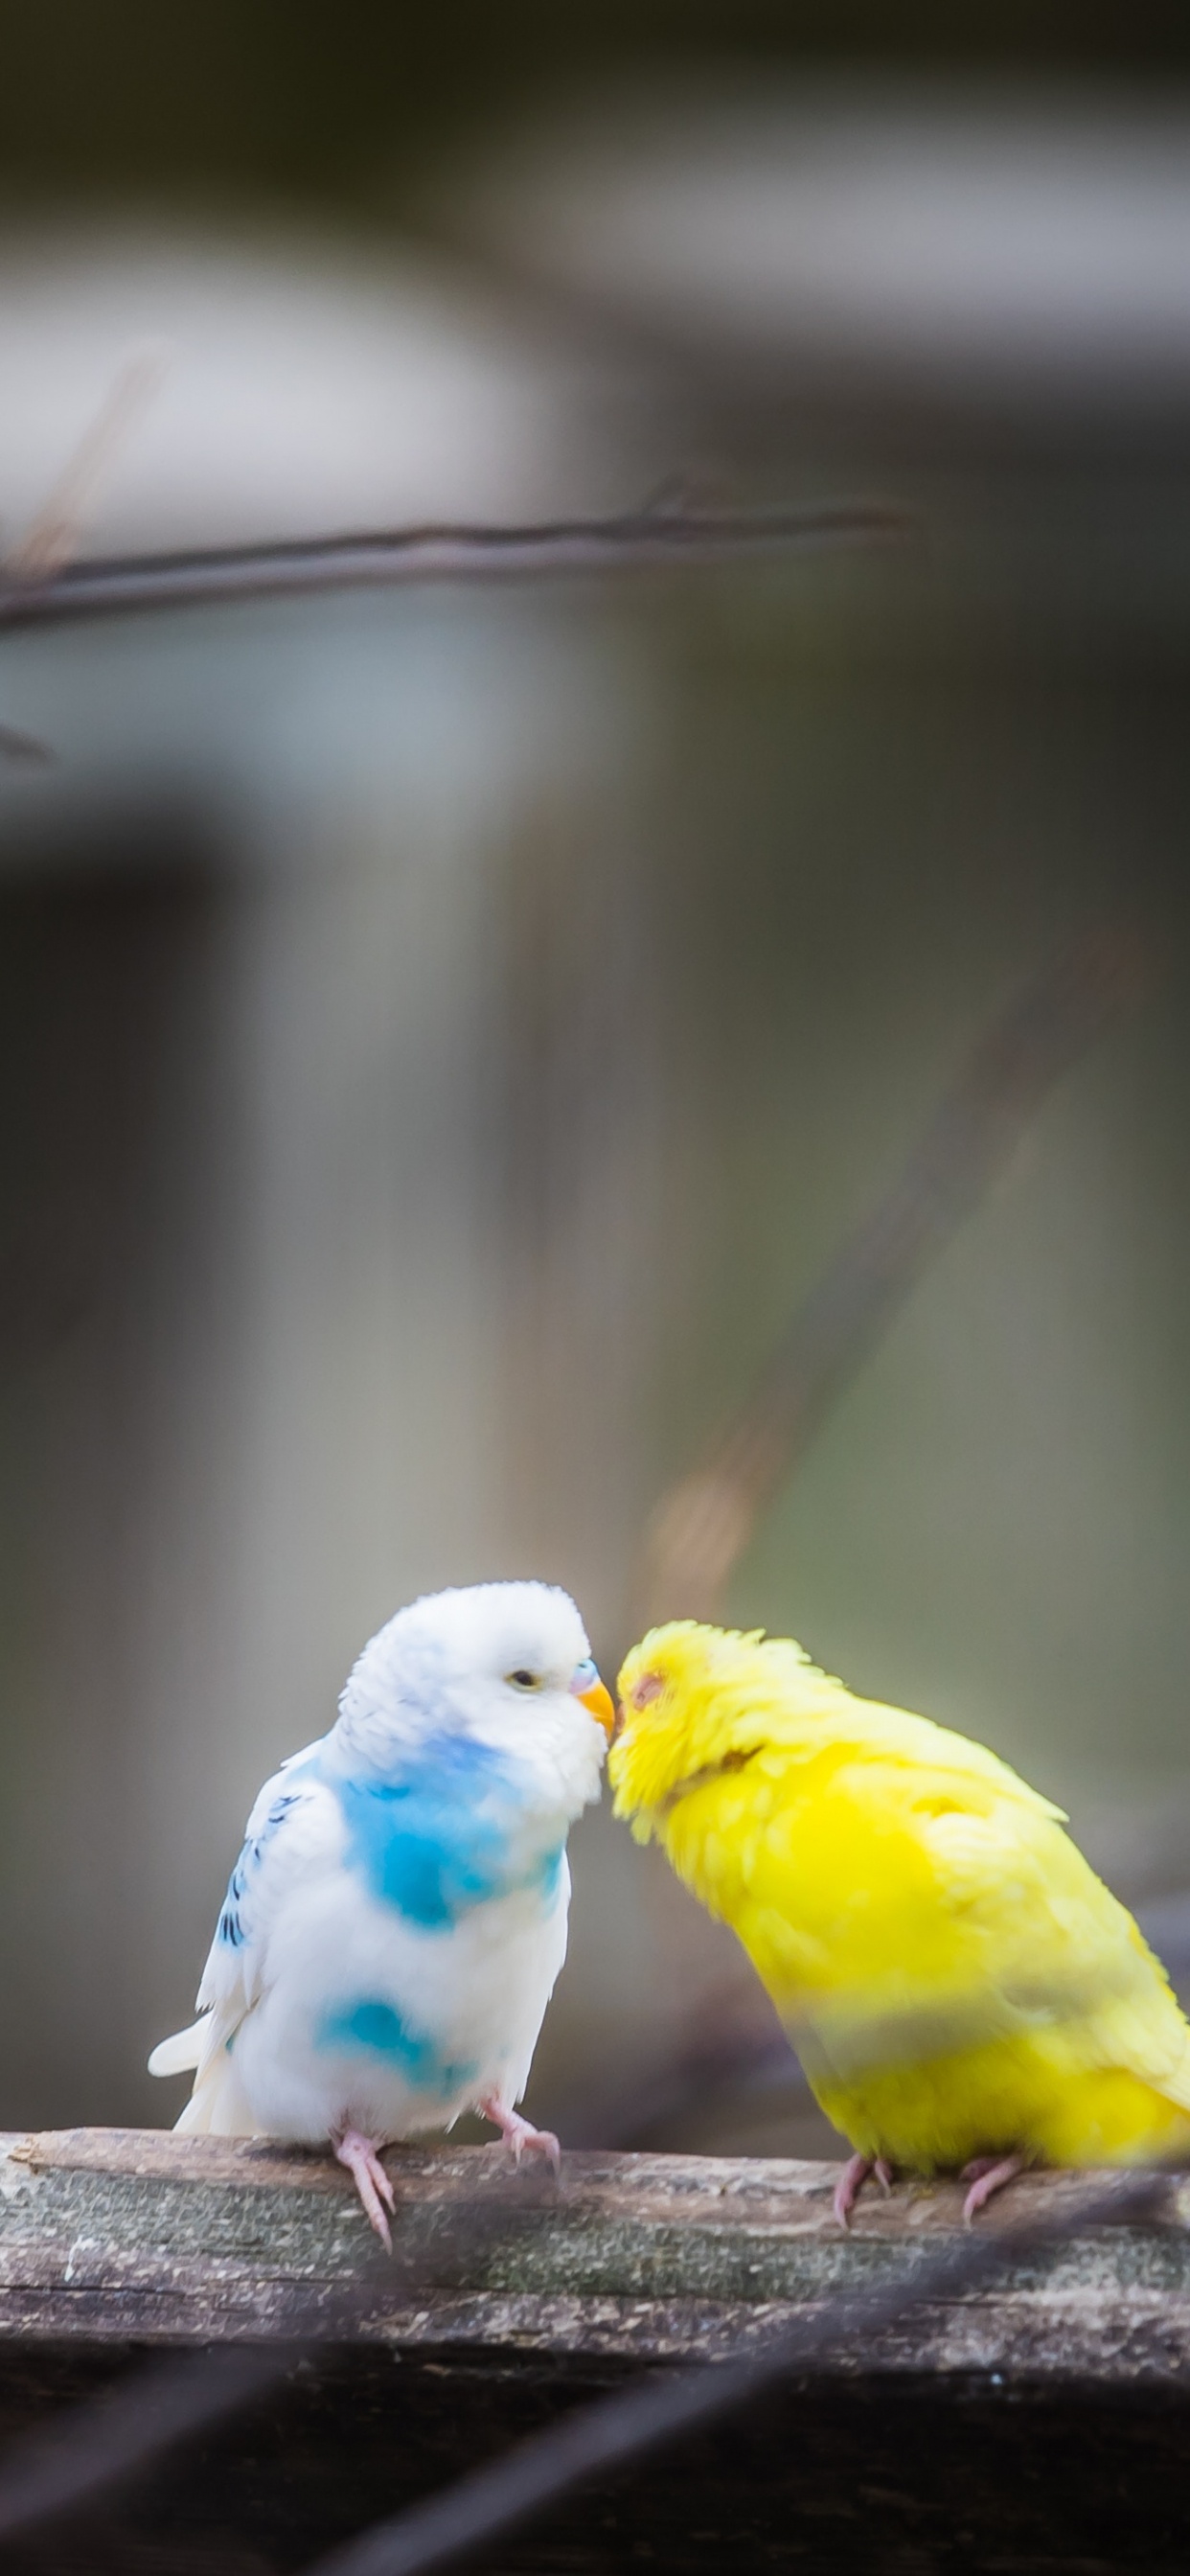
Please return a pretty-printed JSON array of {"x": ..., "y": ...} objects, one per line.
[{"x": 396, "y": 1920}]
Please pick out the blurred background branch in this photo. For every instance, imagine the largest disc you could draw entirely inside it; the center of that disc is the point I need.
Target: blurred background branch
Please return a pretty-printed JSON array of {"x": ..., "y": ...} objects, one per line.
[
  {"x": 37, "y": 589},
  {"x": 54, "y": 534},
  {"x": 703, "y": 1526}
]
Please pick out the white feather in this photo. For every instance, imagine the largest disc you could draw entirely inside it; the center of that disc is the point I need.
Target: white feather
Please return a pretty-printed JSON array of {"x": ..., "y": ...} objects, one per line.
[{"x": 175, "y": 2056}]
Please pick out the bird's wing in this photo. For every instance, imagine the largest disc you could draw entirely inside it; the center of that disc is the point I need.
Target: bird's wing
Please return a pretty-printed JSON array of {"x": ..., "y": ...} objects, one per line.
[
  {"x": 294, "y": 1830},
  {"x": 294, "y": 1827},
  {"x": 980, "y": 1915},
  {"x": 1059, "y": 1947},
  {"x": 768, "y": 1692},
  {"x": 896, "y": 1735},
  {"x": 920, "y": 1906}
]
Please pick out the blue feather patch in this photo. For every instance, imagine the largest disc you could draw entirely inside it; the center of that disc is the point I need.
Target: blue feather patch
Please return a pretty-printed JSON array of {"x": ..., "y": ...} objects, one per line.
[
  {"x": 440, "y": 1839},
  {"x": 372, "y": 2027},
  {"x": 548, "y": 1872}
]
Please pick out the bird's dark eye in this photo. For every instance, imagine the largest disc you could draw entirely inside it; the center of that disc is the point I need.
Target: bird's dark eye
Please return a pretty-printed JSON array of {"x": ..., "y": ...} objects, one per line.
[{"x": 523, "y": 1680}]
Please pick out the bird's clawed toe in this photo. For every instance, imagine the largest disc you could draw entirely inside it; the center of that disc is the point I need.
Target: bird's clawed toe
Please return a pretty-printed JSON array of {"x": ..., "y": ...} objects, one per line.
[
  {"x": 849, "y": 2186},
  {"x": 361, "y": 2157},
  {"x": 519, "y": 2135},
  {"x": 852, "y": 2179},
  {"x": 987, "y": 2175}
]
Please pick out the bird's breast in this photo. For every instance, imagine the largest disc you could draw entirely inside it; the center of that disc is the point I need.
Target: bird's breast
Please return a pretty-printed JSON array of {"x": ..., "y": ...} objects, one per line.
[{"x": 457, "y": 1833}]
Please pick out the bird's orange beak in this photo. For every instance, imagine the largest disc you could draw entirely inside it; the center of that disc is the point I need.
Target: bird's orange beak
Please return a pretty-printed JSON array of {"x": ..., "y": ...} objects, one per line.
[{"x": 594, "y": 1695}]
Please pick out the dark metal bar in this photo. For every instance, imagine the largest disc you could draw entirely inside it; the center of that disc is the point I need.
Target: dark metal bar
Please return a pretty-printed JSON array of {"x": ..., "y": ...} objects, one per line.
[
  {"x": 640, "y": 540},
  {"x": 614, "y": 2431},
  {"x": 96, "y": 2445}
]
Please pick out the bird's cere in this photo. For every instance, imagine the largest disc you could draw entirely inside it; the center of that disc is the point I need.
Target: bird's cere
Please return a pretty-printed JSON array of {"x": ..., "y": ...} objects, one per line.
[
  {"x": 396, "y": 1920},
  {"x": 594, "y": 1694}
]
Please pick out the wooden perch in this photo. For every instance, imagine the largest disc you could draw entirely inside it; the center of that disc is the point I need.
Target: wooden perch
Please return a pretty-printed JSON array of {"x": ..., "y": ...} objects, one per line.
[
  {"x": 1037, "y": 2423},
  {"x": 111, "y": 2234}
]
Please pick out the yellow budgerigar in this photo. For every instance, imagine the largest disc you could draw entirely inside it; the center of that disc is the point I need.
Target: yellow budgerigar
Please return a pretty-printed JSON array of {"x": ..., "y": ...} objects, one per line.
[{"x": 962, "y": 1990}]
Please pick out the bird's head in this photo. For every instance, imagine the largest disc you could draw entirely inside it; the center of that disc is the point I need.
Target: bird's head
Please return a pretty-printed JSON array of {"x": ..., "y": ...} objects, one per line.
[
  {"x": 695, "y": 1702},
  {"x": 507, "y": 1665}
]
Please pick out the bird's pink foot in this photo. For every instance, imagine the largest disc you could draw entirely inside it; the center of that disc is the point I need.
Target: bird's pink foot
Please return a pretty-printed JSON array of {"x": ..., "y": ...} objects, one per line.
[
  {"x": 852, "y": 2179},
  {"x": 987, "y": 2175},
  {"x": 520, "y": 2136},
  {"x": 362, "y": 2160}
]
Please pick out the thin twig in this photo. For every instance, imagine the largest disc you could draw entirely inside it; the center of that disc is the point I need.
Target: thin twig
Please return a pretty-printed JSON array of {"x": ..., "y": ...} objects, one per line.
[
  {"x": 706, "y": 1521},
  {"x": 53, "y": 536},
  {"x": 388, "y": 557},
  {"x": 614, "y": 2431}
]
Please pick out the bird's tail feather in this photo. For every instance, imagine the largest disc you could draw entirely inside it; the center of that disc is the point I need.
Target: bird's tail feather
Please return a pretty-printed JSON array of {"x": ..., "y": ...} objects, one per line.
[
  {"x": 217, "y": 2105},
  {"x": 176, "y": 2056}
]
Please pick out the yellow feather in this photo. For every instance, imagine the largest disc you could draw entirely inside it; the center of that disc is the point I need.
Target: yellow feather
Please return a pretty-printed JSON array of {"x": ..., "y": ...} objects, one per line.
[{"x": 953, "y": 1975}]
